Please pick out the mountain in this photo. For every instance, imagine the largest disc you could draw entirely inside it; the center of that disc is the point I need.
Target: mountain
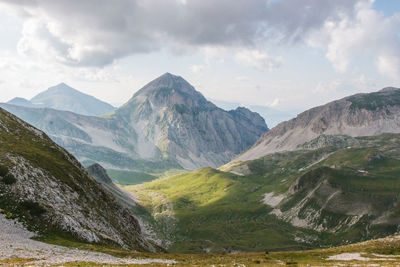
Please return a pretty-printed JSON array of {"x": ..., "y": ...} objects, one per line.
[
  {"x": 357, "y": 115},
  {"x": 46, "y": 188},
  {"x": 271, "y": 115},
  {"x": 176, "y": 120},
  {"x": 166, "y": 124},
  {"x": 19, "y": 101},
  {"x": 99, "y": 173},
  {"x": 318, "y": 196},
  {"x": 64, "y": 97}
]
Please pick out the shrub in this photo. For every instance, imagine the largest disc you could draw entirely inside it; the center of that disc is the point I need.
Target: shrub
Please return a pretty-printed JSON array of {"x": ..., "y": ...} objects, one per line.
[
  {"x": 3, "y": 170},
  {"x": 9, "y": 215},
  {"x": 9, "y": 179},
  {"x": 33, "y": 207}
]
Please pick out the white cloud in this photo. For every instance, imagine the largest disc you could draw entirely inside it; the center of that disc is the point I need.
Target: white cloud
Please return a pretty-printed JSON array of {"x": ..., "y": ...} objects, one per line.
[
  {"x": 367, "y": 34},
  {"x": 389, "y": 65},
  {"x": 97, "y": 32},
  {"x": 274, "y": 103},
  {"x": 197, "y": 68},
  {"x": 258, "y": 59}
]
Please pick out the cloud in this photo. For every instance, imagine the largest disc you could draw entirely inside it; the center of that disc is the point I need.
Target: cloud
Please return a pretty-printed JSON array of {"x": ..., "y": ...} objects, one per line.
[
  {"x": 274, "y": 103},
  {"x": 367, "y": 34},
  {"x": 97, "y": 32},
  {"x": 258, "y": 59},
  {"x": 197, "y": 68}
]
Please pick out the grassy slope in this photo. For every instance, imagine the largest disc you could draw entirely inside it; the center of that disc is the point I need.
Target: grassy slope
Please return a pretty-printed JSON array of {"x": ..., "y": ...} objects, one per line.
[
  {"x": 221, "y": 212},
  {"x": 129, "y": 177},
  {"x": 132, "y": 178}
]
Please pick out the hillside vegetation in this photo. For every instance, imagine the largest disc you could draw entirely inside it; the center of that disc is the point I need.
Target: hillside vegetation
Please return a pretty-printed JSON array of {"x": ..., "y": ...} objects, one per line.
[{"x": 334, "y": 190}]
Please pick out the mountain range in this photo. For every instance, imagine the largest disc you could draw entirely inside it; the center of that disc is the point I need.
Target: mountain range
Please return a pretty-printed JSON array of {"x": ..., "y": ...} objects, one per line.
[
  {"x": 64, "y": 97},
  {"x": 166, "y": 124}
]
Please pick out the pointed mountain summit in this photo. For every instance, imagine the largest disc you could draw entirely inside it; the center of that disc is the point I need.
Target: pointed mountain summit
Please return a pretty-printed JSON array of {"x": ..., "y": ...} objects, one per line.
[
  {"x": 64, "y": 97},
  {"x": 180, "y": 124},
  {"x": 19, "y": 101},
  {"x": 165, "y": 91},
  {"x": 169, "y": 81}
]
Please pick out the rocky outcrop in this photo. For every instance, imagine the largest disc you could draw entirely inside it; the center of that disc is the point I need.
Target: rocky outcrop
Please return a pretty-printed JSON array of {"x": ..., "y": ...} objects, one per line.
[
  {"x": 99, "y": 173},
  {"x": 53, "y": 194},
  {"x": 357, "y": 115}
]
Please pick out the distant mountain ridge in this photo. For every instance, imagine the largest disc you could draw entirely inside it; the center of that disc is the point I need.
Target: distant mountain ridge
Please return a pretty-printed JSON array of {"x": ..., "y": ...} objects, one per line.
[
  {"x": 272, "y": 116},
  {"x": 166, "y": 124},
  {"x": 64, "y": 97},
  {"x": 357, "y": 115}
]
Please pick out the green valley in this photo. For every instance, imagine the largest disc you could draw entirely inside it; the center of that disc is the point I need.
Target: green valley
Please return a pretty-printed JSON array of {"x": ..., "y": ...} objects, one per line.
[{"x": 345, "y": 191}]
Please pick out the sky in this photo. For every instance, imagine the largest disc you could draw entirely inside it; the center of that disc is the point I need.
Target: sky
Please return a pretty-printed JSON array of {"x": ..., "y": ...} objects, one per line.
[{"x": 281, "y": 54}]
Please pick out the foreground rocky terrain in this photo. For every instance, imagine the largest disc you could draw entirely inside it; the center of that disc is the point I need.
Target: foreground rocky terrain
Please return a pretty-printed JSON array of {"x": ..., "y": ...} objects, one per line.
[{"x": 17, "y": 247}]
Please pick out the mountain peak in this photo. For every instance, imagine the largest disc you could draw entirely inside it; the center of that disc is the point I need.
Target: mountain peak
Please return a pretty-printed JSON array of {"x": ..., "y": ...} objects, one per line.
[
  {"x": 61, "y": 87},
  {"x": 64, "y": 97},
  {"x": 167, "y": 81},
  {"x": 167, "y": 90}
]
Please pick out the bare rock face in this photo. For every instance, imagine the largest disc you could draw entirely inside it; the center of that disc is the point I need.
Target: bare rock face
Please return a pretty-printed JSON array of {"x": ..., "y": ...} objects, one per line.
[
  {"x": 184, "y": 126},
  {"x": 357, "y": 115},
  {"x": 99, "y": 173},
  {"x": 166, "y": 124},
  {"x": 53, "y": 194}
]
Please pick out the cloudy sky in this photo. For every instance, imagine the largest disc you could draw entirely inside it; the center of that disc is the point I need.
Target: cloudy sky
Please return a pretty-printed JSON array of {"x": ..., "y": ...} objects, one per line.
[{"x": 284, "y": 54}]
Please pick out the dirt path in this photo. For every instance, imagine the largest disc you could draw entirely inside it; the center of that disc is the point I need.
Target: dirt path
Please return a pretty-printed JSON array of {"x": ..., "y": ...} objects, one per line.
[{"x": 16, "y": 242}]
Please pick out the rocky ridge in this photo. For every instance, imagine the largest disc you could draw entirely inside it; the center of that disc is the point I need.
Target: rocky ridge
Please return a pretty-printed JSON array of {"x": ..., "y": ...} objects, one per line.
[
  {"x": 46, "y": 188},
  {"x": 357, "y": 115}
]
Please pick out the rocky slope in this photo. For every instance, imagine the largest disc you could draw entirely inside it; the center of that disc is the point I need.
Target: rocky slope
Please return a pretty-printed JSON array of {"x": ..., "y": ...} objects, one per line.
[
  {"x": 99, "y": 173},
  {"x": 51, "y": 193},
  {"x": 178, "y": 122},
  {"x": 357, "y": 115},
  {"x": 64, "y": 97},
  {"x": 166, "y": 124}
]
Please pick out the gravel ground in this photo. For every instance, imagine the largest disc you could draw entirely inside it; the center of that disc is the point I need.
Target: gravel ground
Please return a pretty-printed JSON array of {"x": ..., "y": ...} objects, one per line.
[{"x": 16, "y": 242}]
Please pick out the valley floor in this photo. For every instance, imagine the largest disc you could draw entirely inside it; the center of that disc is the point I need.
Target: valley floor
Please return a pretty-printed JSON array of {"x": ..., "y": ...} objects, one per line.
[{"x": 18, "y": 249}]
